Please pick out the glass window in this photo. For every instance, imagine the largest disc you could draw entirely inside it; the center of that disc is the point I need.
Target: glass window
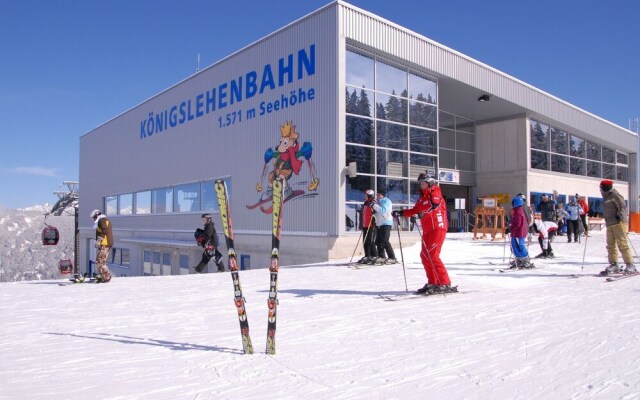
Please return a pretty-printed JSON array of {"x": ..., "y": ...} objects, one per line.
[
  {"x": 447, "y": 139},
  {"x": 622, "y": 173},
  {"x": 594, "y": 169},
  {"x": 466, "y": 125},
  {"x": 391, "y": 135},
  {"x": 465, "y": 161},
  {"x": 539, "y": 160},
  {"x": 166, "y": 263},
  {"x": 125, "y": 257},
  {"x": 397, "y": 189},
  {"x": 423, "y": 115},
  {"x": 155, "y": 266},
  {"x": 352, "y": 217},
  {"x": 594, "y": 151},
  {"x": 125, "y": 205},
  {"x": 420, "y": 163},
  {"x": 423, "y": 89},
  {"x": 623, "y": 159},
  {"x": 147, "y": 262},
  {"x": 390, "y": 79},
  {"x": 608, "y": 171},
  {"x": 577, "y": 166},
  {"x": 187, "y": 198},
  {"x": 608, "y": 155},
  {"x": 162, "y": 201},
  {"x": 423, "y": 141},
  {"x": 357, "y": 186},
  {"x": 209, "y": 197},
  {"x": 391, "y": 108},
  {"x": 359, "y": 130},
  {"x": 363, "y": 156},
  {"x": 577, "y": 146},
  {"x": 184, "y": 264},
  {"x": 143, "y": 202},
  {"x": 447, "y": 158},
  {"x": 360, "y": 70},
  {"x": 465, "y": 142},
  {"x": 539, "y": 136},
  {"x": 111, "y": 205},
  {"x": 392, "y": 163},
  {"x": 559, "y": 141},
  {"x": 359, "y": 102},
  {"x": 559, "y": 163},
  {"x": 447, "y": 120}
]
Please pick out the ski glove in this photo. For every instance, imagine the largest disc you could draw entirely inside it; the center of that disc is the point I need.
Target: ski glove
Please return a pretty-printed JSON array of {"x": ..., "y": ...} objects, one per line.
[
  {"x": 413, "y": 219},
  {"x": 306, "y": 150},
  {"x": 397, "y": 213},
  {"x": 268, "y": 155}
]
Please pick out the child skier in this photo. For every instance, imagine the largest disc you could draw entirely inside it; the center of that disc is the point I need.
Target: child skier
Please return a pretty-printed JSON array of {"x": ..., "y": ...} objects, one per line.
[
  {"x": 519, "y": 229},
  {"x": 545, "y": 229}
]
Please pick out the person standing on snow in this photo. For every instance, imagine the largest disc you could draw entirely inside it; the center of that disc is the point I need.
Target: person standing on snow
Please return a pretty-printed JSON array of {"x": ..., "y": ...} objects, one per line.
[
  {"x": 104, "y": 242},
  {"x": 369, "y": 229},
  {"x": 615, "y": 219},
  {"x": 545, "y": 229},
  {"x": 519, "y": 230},
  {"x": 573, "y": 219},
  {"x": 384, "y": 222},
  {"x": 208, "y": 238},
  {"x": 584, "y": 210},
  {"x": 432, "y": 211}
]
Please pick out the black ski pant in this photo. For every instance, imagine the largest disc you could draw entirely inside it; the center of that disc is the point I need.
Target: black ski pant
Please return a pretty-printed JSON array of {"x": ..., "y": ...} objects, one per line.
[
  {"x": 382, "y": 242},
  {"x": 573, "y": 229},
  {"x": 206, "y": 256},
  {"x": 369, "y": 243}
]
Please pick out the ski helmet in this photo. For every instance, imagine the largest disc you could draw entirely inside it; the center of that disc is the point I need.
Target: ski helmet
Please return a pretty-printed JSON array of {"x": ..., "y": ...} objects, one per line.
[
  {"x": 517, "y": 202},
  {"x": 94, "y": 214},
  {"x": 369, "y": 193}
]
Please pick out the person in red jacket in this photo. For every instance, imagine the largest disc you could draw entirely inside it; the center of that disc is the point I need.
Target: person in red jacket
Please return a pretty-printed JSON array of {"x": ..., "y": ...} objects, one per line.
[
  {"x": 584, "y": 210},
  {"x": 431, "y": 208},
  {"x": 369, "y": 229}
]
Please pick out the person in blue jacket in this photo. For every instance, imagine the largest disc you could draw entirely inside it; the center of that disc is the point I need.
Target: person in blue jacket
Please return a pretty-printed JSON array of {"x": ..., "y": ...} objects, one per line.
[
  {"x": 573, "y": 219},
  {"x": 382, "y": 207}
]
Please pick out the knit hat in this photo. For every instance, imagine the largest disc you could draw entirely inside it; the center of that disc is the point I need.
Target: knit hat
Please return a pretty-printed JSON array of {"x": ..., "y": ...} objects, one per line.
[
  {"x": 382, "y": 191},
  {"x": 606, "y": 185}
]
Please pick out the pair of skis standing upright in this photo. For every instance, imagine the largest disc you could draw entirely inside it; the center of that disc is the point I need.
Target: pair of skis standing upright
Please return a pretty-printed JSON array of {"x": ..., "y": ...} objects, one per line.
[{"x": 272, "y": 302}]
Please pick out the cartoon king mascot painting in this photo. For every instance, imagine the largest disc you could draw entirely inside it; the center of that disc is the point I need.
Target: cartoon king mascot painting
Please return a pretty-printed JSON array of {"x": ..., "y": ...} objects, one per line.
[{"x": 286, "y": 160}]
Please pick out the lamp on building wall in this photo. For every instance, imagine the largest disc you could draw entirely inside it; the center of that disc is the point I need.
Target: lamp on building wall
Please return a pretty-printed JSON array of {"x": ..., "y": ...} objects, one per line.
[
  {"x": 352, "y": 169},
  {"x": 484, "y": 98}
]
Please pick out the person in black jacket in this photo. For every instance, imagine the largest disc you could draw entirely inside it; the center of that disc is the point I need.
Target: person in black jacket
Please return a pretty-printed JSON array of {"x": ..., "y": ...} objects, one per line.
[
  {"x": 208, "y": 238},
  {"x": 547, "y": 209}
]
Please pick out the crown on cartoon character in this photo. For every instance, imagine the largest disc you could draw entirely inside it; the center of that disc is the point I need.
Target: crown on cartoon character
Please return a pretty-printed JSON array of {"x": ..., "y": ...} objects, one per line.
[{"x": 288, "y": 130}]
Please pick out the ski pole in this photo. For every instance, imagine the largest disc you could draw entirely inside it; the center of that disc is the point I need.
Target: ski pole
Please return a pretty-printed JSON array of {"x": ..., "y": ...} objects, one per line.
[
  {"x": 584, "y": 252},
  {"x": 631, "y": 243},
  {"x": 504, "y": 247},
  {"x": 356, "y": 249},
  {"x": 406, "y": 288}
]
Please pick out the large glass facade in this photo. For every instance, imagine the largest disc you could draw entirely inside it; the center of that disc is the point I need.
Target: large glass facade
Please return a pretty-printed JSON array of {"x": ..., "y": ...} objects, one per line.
[
  {"x": 553, "y": 149},
  {"x": 391, "y": 128},
  {"x": 392, "y": 131}
]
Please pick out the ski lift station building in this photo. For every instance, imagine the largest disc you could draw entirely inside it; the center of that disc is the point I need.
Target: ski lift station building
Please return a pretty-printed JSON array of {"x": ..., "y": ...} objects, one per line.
[{"x": 336, "y": 102}]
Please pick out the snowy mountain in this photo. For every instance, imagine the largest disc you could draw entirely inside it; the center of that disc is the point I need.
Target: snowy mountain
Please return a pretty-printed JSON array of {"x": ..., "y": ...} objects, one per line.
[
  {"x": 554, "y": 332},
  {"x": 22, "y": 255}
]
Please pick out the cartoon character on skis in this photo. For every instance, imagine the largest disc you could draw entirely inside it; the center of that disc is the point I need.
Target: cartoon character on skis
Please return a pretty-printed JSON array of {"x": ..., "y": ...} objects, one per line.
[{"x": 286, "y": 161}]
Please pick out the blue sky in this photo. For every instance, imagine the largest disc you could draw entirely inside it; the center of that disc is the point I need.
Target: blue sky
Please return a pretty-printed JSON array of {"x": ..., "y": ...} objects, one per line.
[{"x": 67, "y": 66}]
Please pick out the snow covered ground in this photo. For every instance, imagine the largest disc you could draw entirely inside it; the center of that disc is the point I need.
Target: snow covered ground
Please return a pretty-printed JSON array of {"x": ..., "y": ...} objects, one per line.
[{"x": 342, "y": 333}]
